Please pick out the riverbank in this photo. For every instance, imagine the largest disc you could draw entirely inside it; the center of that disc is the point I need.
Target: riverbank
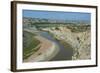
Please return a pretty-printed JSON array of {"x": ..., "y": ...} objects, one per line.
[
  {"x": 47, "y": 51},
  {"x": 65, "y": 50},
  {"x": 79, "y": 40}
]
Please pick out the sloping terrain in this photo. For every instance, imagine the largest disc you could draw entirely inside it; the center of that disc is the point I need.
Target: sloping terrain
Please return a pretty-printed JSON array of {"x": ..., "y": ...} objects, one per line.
[
  {"x": 80, "y": 41},
  {"x": 30, "y": 44}
]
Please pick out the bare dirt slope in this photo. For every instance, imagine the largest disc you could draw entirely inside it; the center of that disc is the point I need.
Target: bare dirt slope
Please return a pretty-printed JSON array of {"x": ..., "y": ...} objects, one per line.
[{"x": 81, "y": 41}]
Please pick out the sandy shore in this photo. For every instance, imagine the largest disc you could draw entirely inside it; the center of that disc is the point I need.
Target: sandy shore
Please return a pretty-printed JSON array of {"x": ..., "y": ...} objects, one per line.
[{"x": 47, "y": 50}]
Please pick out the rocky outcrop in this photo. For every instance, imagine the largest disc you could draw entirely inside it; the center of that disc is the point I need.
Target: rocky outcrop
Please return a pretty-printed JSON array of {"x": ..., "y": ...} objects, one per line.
[
  {"x": 80, "y": 41},
  {"x": 84, "y": 50}
]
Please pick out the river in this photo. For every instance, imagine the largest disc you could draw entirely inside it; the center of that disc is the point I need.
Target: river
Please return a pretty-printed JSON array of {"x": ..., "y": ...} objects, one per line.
[{"x": 64, "y": 53}]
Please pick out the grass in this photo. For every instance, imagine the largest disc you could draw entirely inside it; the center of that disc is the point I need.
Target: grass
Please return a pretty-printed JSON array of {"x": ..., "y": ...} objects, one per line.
[
  {"x": 30, "y": 52},
  {"x": 30, "y": 44}
]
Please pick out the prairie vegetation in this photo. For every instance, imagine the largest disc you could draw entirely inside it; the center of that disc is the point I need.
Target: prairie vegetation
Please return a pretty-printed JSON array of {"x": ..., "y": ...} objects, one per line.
[{"x": 30, "y": 44}]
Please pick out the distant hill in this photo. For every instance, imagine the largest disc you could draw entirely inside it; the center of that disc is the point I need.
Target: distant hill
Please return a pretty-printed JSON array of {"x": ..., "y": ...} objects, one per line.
[{"x": 28, "y": 20}]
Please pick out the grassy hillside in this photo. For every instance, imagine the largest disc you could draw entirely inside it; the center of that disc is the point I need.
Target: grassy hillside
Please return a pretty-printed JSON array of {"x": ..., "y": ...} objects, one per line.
[{"x": 29, "y": 44}]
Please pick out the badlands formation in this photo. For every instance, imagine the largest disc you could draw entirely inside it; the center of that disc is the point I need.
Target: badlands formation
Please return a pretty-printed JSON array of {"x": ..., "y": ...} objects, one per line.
[{"x": 80, "y": 41}]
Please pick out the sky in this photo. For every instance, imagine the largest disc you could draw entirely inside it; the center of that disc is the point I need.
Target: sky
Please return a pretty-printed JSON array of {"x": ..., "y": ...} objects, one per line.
[{"x": 57, "y": 15}]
